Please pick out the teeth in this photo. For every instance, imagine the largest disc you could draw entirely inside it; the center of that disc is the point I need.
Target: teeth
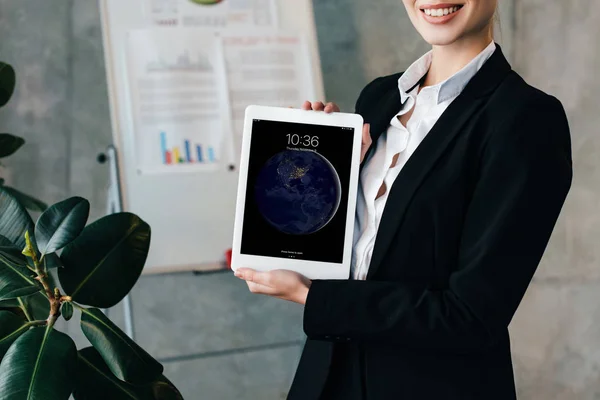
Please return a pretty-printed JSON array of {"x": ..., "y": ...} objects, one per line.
[{"x": 440, "y": 12}]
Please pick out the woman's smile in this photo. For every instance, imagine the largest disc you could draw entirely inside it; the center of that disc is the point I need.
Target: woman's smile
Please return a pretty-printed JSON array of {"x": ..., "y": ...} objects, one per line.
[{"x": 440, "y": 13}]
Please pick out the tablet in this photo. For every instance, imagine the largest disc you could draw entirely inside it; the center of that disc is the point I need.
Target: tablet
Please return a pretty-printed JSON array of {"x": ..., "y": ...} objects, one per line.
[{"x": 297, "y": 191}]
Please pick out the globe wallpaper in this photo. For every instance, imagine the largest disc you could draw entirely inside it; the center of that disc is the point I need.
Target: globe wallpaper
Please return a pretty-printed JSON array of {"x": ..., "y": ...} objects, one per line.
[{"x": 296, "y": 196}]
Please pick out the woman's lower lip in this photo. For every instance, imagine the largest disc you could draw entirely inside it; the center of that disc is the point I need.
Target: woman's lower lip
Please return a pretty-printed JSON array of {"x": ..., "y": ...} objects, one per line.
[{"x": 440, "y": 20}]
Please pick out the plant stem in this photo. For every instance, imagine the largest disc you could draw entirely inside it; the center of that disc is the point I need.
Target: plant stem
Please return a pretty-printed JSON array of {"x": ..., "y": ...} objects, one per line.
[
  {"x": 53, "y": 297},
  {"x": 37, "y": 323},
  {"x": 25, "y": 310}
]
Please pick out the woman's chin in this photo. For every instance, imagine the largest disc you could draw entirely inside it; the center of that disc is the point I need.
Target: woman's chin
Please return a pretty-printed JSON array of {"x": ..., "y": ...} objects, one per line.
[{"x": 440, "y": 38}]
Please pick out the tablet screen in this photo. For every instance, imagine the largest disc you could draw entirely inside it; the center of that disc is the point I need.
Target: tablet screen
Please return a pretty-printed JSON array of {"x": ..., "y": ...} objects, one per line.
[{"x": 297, "y": 191}]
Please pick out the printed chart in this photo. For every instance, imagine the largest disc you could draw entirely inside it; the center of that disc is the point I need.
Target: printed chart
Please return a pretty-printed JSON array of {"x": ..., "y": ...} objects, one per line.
[
  {"x": 180, "y": 101},
  {"x": 188, "y": 153}
]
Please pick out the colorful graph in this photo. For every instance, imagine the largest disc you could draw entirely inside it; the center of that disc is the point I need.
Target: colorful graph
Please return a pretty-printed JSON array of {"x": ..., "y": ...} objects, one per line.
[{"x": 187, "y": 154}]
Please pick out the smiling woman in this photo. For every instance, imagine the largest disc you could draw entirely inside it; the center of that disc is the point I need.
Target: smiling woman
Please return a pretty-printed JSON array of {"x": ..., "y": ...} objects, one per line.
[
  {"x": 439, "y": 26},
  {"x": 465, "y": 172}
]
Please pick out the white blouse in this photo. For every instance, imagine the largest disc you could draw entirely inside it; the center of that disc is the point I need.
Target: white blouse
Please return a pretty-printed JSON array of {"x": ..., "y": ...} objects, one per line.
[{"x": 429, "y": 103}]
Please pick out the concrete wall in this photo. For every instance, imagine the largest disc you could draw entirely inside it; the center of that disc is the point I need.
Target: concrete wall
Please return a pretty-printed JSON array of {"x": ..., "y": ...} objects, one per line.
[
  {"x": 215, "y": 339},
  {"x": 556, "y": 334}
]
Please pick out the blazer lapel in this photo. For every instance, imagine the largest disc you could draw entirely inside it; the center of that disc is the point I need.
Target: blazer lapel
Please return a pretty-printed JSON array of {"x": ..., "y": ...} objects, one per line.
[{"x": 432, "y": 147}]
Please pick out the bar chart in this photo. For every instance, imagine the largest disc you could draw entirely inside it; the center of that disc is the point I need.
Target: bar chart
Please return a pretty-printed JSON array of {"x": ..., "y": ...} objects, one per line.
[{"x": 186, "y": 153}]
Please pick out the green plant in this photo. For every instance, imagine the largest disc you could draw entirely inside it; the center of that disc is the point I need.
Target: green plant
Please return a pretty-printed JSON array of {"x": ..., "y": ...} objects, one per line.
[
  {"x": 9, "y": 144},
  {"x": 96, "y": 266}
]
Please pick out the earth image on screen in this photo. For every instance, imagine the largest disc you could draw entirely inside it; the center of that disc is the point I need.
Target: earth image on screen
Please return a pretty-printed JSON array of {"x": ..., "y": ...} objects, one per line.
[{"x": 298, "y": 192}]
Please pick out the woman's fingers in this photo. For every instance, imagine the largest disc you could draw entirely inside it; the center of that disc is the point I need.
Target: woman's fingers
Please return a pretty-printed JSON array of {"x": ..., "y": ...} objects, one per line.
[
  {"x": 263, "y": 278},
  {"x": 258, "y": 282},
  {"x": 331, "y": 107},
  {"x": 318, "y": 106},
  {"x": 251, "y": 275},
  {"x": 366, "y": 135}
]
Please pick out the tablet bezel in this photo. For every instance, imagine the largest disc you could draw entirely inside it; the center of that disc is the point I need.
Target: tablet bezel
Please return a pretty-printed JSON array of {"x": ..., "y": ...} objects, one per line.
[{"x": 310, "y": 269}]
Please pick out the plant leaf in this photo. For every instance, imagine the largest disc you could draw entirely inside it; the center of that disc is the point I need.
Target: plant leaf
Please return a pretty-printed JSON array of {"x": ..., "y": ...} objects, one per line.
[
  {"x": 163, "y": 389},
  {"x": 38, "y": 365},
  {"x": 9, "y": 144},
  {"x": 106, "y": 260},
  {"x": 6, "y": 304},
  {"x": 37, "y": 305},
  {"x": 52, "y": 261},
  {"x": 11, "y": 327},
  {"x": 13, "y": 306},
  {"x": 95, "y": 381},
  {"x": 61, "y": 224},
  {"x": 29, "y": 202},
  {"x": 21, "y": 292},
  {"x": 127, "y": 361},
  {"x": 15, "y": 279},
  {"x": 67, "y": 310},
  {"x": 7, "y": 83},
  {"x": 15, "y": 220},
  {"x": 12, "y": 251}
]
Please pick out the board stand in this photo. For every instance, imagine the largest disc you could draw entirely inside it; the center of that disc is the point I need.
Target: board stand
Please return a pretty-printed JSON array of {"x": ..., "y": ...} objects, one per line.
[{"x": 114, "y": 204}]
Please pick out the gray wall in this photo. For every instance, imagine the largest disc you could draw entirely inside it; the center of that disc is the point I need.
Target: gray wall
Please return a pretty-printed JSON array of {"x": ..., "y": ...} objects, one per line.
[
  {"x": 556, "y": 333},
  {"x": 216, "y": 340}
]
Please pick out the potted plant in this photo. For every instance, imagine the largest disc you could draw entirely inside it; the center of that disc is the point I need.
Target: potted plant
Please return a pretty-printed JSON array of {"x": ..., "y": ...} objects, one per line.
[
  {"x": 10, "y": 143},
  {"x": 97, "y": 265}
]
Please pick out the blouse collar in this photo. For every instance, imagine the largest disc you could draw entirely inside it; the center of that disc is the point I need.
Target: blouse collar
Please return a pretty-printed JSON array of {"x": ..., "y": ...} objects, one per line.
[{"x": 449, "y": 88}]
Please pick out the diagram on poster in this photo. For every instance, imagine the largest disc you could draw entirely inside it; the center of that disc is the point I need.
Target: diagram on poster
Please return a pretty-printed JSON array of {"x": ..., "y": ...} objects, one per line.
[
  {"x": 180, "y": 101},
  {"x": 266, "y": 68},
  {"x": 213, "y": 13}
]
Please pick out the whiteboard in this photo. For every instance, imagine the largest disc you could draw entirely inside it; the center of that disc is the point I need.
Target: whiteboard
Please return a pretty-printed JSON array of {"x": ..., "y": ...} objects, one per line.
[{"x": 192, "y": 214}]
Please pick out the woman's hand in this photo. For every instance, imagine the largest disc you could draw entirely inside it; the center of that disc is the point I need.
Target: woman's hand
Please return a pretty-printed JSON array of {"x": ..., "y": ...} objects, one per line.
[
  {"x": 286, "y": 285},
  {"x": 332, "y": 107}
]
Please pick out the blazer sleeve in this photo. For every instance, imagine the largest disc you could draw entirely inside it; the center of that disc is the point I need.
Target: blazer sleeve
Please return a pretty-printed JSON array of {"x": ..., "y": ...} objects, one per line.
[{"x": 525, "y": 175}]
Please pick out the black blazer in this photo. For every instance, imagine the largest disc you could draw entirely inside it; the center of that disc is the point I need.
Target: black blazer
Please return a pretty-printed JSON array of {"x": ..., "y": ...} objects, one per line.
[{"x": 463, "y": 230}]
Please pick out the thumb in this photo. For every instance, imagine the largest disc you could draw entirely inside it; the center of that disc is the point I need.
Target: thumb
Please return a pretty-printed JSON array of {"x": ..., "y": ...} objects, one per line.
[
  {"x": 366, "y": 136},
  {"x": 250, "y": 275},
  {"x": 366, "y": 141}
]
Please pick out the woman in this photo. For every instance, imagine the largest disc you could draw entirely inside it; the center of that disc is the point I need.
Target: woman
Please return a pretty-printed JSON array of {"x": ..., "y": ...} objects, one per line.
[{"x": 465, "y": 172}]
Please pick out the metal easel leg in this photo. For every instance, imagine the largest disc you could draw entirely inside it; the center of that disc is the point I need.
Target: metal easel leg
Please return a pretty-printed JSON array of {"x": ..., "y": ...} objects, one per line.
[{"x": 114, "y": 205}]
